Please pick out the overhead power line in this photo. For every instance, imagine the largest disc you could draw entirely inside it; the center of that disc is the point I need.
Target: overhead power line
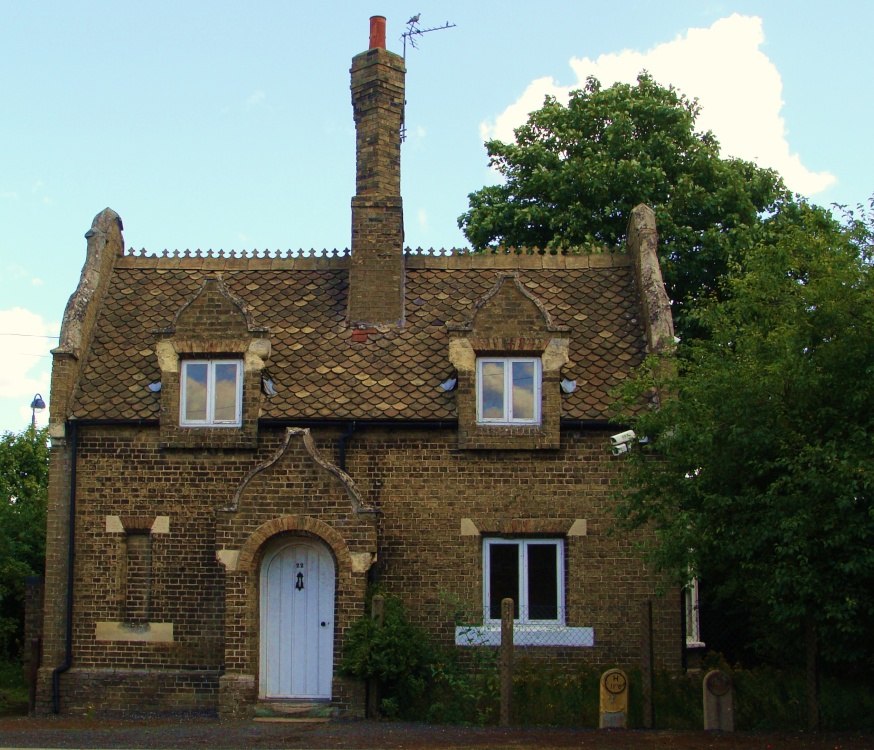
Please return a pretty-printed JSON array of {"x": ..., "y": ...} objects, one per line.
[{"x": 31, "y": 335}]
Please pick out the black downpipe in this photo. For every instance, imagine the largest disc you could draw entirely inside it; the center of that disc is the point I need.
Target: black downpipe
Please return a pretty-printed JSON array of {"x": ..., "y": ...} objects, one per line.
[{"x": 71, "y": 553}]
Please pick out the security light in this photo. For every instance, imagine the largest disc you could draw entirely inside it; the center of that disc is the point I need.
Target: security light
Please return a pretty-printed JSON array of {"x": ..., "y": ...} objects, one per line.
[
  {"x": 268, "y": 387},
  {"x": 622, "y": 442},
  {"x": 622, "y": 437},
  {"x": 449, "y": 384}
]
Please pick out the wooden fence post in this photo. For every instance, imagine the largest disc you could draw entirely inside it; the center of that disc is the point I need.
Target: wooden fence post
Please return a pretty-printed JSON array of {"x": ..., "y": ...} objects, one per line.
[
  {"x": 377, "y": 614},
  {"x": 811, "y": 674},
  {"x": 506, "y": 660}
]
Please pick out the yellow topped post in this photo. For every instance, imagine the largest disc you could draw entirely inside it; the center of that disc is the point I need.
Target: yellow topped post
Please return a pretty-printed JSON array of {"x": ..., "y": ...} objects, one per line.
[{"x": 614, "y": 700}]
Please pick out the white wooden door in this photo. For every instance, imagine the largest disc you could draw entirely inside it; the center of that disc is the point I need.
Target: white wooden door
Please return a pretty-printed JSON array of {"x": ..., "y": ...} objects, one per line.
[{"x": 297, "y": 620}]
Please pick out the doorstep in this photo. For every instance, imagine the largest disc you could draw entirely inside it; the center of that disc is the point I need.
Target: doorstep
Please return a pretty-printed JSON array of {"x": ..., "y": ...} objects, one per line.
[{"x": 295, "y": 712}]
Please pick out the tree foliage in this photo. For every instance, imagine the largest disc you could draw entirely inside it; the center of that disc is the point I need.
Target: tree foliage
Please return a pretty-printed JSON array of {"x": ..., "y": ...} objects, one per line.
[
  {"x": 23, "y": 485},
  {"x": 395, "y": 651},
  {"x": 575, "y": 172},
  {"x": 759, "y": 472}
]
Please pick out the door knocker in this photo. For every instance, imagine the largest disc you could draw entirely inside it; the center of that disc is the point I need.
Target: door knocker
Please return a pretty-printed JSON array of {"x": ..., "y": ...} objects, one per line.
[{"x": 299, "y": 584}]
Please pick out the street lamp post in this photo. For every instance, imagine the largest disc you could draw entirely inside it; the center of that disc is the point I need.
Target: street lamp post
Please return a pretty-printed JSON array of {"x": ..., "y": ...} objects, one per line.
[{"x": 36, "y": 406}]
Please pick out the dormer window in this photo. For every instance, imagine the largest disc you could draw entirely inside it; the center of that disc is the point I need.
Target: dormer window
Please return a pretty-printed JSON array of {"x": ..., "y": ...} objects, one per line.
[
  {"x": 213, "y": 361},
  {"x": 508, "y": 390},
  {"x": 508, "y": 357},
  {"x": 212, "y": 393}
]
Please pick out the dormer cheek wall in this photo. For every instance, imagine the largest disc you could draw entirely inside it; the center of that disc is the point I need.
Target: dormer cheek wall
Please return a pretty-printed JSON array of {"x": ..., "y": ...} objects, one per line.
[
  {"x": 552, "y": 353},
  {"x": 171, "y": 353},
  {"x": 213, "y": 325},
  {"x": 509, "y": 322}
]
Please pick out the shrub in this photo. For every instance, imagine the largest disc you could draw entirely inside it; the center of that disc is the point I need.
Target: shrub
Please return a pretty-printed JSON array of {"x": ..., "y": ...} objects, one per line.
[{"x": 397, "y": 654}]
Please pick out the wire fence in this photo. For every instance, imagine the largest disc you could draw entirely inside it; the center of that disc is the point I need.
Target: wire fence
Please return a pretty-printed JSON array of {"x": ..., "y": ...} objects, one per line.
[{"x": 532, "y": 626}]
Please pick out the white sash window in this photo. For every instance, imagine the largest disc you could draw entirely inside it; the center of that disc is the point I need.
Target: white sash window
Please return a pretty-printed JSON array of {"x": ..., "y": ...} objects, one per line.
[
  {"x": 211, "y": 393},
  {"x": 508, "y": 390}
]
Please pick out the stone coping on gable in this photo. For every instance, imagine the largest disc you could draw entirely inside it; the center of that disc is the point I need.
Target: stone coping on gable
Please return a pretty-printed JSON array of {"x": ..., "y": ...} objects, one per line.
[{"x": 330, "y": 262}]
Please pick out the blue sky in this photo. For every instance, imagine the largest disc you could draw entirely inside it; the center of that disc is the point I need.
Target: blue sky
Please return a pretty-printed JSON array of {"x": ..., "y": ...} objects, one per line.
[{"x": 224, "y": 125}]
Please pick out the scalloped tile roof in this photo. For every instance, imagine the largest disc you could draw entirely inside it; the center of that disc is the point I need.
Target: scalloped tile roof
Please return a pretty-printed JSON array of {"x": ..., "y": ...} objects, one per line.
[{"x": 320, "y": 372}]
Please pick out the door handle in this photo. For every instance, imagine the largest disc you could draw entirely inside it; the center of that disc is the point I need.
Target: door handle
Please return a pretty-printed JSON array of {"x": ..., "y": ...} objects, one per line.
[{"x": 324, "y": 623}]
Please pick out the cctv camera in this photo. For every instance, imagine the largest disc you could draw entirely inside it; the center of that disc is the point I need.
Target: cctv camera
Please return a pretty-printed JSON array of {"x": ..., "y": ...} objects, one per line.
[
  {"x": 621, "y": 448},
  {"x": 622, "y": 437}
]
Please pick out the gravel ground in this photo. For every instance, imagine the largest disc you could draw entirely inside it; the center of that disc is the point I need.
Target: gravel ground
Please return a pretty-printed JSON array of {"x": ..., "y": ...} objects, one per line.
[{"x": 63, "y": 732}]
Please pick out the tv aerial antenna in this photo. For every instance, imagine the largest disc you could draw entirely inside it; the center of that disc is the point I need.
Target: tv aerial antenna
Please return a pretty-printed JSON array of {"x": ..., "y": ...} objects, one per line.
[
  {"x": 414, "y": 31},
  {"x": 412, "y": 34}
]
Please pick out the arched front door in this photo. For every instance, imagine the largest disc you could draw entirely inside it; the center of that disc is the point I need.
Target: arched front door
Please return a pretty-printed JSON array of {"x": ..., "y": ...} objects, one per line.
[{"x": 297, "y": 620}]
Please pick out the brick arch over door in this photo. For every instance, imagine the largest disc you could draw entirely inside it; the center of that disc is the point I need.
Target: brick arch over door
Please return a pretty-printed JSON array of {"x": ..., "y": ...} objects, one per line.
[{"x": 249, "y": 552}]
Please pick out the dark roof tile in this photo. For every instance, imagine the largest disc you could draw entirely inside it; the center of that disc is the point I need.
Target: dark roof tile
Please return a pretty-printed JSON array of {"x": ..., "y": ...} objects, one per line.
[{"x": 320, "y": 372}]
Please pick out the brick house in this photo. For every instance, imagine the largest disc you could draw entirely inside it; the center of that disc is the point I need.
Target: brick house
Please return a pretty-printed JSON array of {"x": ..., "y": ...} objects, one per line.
[{"x": 241, "y": 444}]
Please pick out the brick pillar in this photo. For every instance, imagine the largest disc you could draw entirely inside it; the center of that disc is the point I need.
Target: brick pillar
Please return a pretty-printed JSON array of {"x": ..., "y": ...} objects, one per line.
[
  {"x": 57, "y": 545},
  {"x": 238, "y": 690},
  {"x": 376, "y": 273}
]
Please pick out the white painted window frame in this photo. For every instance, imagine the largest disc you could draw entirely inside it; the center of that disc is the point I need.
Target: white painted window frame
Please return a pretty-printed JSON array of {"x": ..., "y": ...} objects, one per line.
[
  {"x": 526, "y": 632},
  {"x": 522, "y": 604},
  {"x": 210, "y": 420},
  {"x": 508, "y": 418},
  {"x": 692, "y": 613}
]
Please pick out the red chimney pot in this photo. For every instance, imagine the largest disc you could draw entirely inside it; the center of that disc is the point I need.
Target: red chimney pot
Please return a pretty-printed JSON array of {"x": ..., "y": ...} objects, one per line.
[{"x": 377, "y": 32}]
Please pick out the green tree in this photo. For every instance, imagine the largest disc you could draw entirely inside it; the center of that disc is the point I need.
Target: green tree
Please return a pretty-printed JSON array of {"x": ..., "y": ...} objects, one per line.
[
  {"x": 23, "y": 485},
  {"x": 759, "y": 470},
  {"x": 575, "y": 172}
]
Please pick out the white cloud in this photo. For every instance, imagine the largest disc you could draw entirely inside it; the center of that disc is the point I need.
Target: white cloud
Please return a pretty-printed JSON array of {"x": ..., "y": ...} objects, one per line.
[
  {"x": 517, "y": 113},
  {"x": 422, "y": 216},
  {"x": 26, "y": 366},
  {"x": 25, "y": 414},
  {"x": 415, "y": 137},
  {"x": 24, "y": 351},
  {"x": 10, "y": 195},
  {"x": 20, "y": 273},
  {"x": 16, "y": 271},
  {"x": 37, "y": 186},
  {"x": 738, "y": 87},
  {"x": 255, "y": 98}
]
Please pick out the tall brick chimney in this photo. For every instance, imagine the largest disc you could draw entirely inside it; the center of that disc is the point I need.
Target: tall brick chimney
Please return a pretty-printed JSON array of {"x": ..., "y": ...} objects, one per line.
[{"x": 376, "y": 272}]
